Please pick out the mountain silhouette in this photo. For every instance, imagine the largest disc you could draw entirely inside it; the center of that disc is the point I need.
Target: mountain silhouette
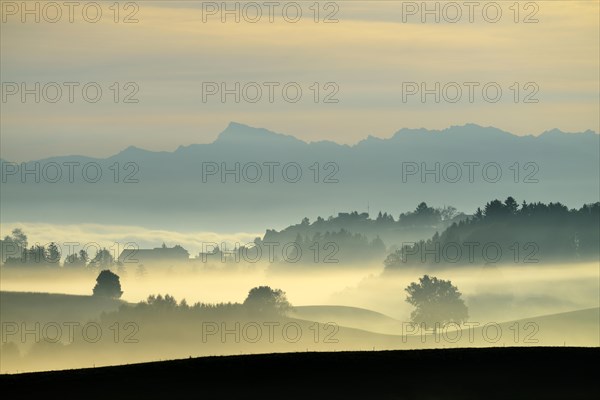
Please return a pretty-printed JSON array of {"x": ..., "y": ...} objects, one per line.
[{"x": 171, "y": 191}]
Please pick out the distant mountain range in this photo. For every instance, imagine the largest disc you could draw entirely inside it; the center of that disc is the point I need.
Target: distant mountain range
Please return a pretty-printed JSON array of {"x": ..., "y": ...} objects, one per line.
[{"x": 185, "y": 189}]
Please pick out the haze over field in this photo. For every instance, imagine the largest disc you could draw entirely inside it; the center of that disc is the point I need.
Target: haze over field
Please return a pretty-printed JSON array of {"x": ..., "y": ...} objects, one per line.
[
  {"x": 185, "y": 179},
  {"x": 352, "y": 274},
  {"x": 544, "y": 292},
  {"x": 493, "y": 294}
]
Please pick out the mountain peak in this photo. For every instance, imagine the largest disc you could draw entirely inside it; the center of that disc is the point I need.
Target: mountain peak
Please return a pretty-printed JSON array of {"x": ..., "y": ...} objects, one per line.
[
  {"x": 474, "y": 130},
  {"x": 237, "y": 125},
  {"x": 132, "y": 149},
  {"x": 557, "y": 132},
  {"x": 237, "y": 133}
]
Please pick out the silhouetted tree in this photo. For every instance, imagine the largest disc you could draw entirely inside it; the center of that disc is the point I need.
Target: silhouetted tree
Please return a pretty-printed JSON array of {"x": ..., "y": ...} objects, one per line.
[
  {"x": 18, "y": 237},
  {"x": 83, "y": 257},
  {"x": 108, "y": 285},
  {"x": 511, "y": 205},
  {"x": 437, "y": 302},
  {"x": 35, "y": 255},
  {"x": 494, "y": 209},
  {"x": 478, "y": 214},
  {"x": 103, "y": 259},
  {"x": 264, "y": 300},
  {"x": 76, "y": 259},
  {"x": 447, "y": 213},
  {"x": 162, "y": 303},
  {"x": 522, "y": 233},
  {"x": 53, "y": 254},
  {"x": 73, "y": 260},
  {"x": 423, "y": 215}
]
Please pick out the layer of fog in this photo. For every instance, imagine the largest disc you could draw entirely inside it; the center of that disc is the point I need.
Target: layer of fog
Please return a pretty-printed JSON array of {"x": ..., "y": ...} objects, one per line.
[{"x": 492, "y": 293}]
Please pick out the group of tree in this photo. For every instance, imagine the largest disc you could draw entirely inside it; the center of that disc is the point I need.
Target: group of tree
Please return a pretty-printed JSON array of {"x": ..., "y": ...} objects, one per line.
[
  {"x": 355, "y": 237},
  {"x": 427, "y": 216},
  {"x": 15, "y": 253},
  {"x": 506, "y": 232},
  {"x": 261, "y": 302},
  {"x": 422, "y": 216},
  {"x": 13, "y": 244},
  {"x": 330, "y": 248},
  {"x": 437, "y": 302}
]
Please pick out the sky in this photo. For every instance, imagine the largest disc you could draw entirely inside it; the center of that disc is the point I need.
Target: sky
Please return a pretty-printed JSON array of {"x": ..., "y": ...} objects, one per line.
[{"x": 369, "y": 56}]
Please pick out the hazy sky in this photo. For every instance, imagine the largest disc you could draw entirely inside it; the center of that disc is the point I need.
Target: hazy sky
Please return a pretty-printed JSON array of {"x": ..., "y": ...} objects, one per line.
[{"x": 369, "y": 55}]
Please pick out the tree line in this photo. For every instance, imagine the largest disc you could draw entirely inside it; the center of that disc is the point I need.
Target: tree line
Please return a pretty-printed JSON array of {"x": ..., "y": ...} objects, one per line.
[
  {"x": 16, "y": 253},
  {"x": 509, "y": 232}
]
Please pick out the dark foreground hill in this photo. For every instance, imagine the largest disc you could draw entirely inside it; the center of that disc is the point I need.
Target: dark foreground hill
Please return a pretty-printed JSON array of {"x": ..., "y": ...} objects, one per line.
[{"x": 488, "y": 373}]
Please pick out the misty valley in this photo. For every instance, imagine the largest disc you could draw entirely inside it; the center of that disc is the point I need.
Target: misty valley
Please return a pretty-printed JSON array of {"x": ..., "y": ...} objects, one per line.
[
  {"x": 507, "y": 274},
  {"x": 342, "y": 199}
]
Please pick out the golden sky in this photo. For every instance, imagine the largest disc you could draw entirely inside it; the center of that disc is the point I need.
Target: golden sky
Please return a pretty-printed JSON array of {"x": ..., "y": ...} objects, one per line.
[{"x": 369, "y": 55}]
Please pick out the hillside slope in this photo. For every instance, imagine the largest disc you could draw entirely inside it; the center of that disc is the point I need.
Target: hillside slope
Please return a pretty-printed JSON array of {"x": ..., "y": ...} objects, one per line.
[{"x": 494, "y": 373}]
